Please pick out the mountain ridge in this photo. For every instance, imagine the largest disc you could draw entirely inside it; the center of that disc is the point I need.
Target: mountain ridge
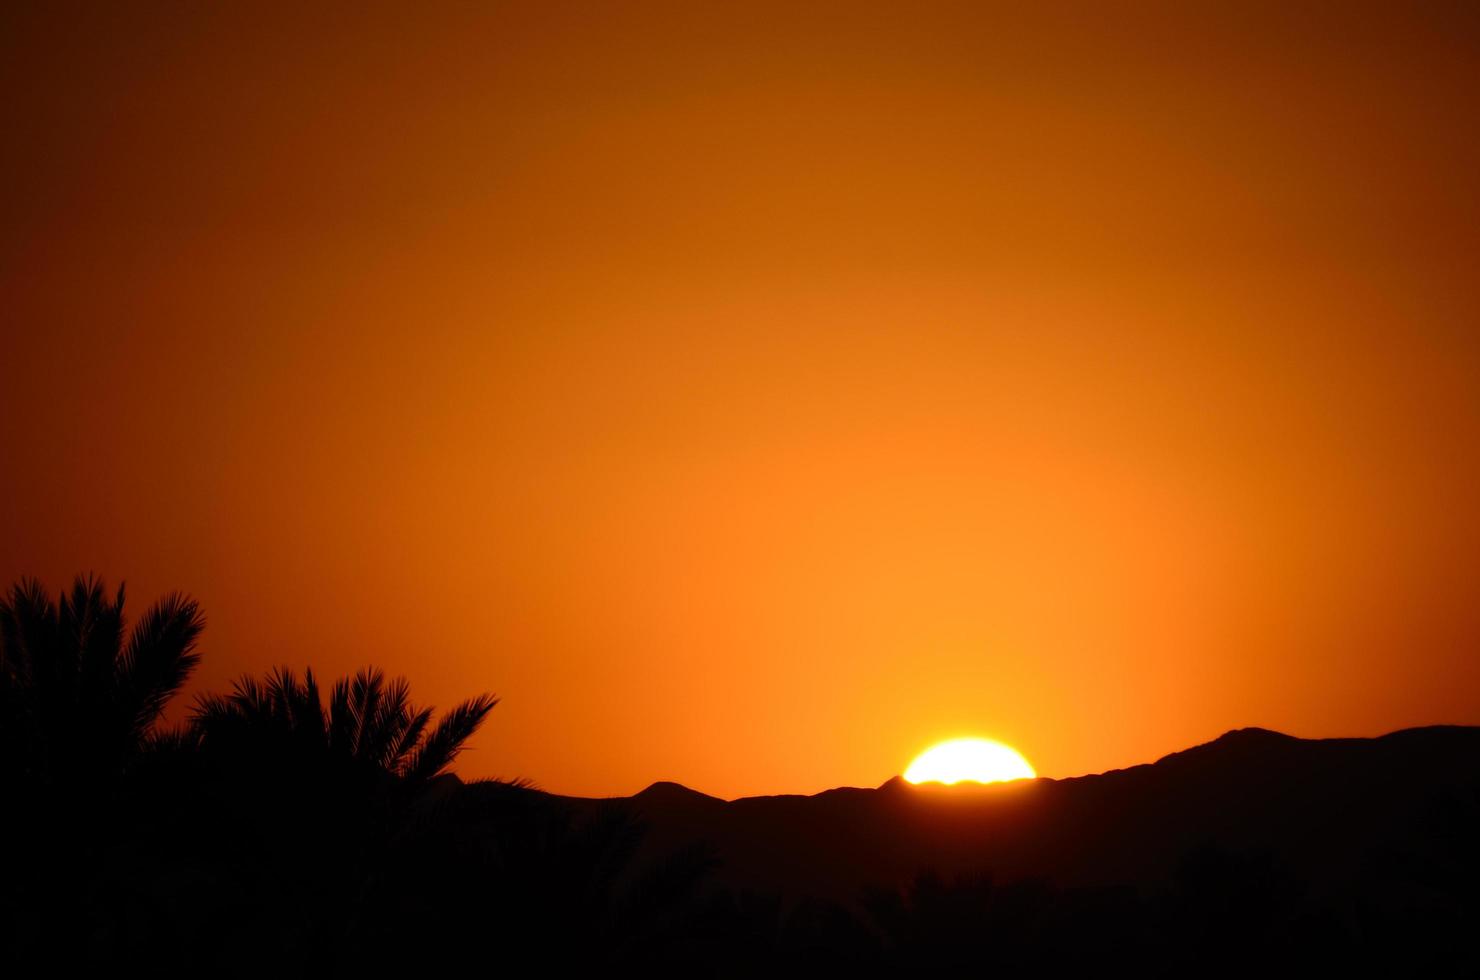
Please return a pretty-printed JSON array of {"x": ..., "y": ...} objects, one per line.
[
  {"x": 1326, "y": 808},
  {"x": 1240, "y": 737}
]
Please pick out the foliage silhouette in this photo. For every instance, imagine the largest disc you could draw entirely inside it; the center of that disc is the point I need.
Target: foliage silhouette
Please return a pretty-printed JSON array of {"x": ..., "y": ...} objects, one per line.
[
  {"x": 80, "y": 697},
  {"x": 293, "y": 831},
  {"x": 321, "y": 797},
  {"x": 78, "y": 700},
  {"x": 370, "y": 725}
]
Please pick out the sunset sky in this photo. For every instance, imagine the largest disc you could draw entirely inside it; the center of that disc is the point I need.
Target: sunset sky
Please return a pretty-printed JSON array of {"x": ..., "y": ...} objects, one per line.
[{"x": 751, "y": 395}]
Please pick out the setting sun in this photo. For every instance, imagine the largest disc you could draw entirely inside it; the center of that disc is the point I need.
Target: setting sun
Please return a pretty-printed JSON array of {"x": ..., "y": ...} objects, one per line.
[{"x": 976, "y": 760}]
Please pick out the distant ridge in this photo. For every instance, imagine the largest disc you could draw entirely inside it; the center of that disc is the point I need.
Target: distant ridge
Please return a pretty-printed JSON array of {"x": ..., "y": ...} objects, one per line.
[
  {"x": 666, "y": 792},
  {"x": 1325, "y": 807}
]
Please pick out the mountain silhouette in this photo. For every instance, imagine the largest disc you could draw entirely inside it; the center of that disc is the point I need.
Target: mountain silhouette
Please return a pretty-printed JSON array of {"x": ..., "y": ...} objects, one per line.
[
  {"x": 669, "y": 794},
  {"x": 1332, "y": 811},
  {"x": 300, "y": 831}
]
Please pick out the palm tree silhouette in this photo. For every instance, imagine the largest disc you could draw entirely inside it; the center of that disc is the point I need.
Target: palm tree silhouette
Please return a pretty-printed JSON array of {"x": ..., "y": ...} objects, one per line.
[
  {"x": 78, "y": 702},
  {"x": 80, "y": 698},
  {"x": 370, "y": 724},
  {"x": 319, "y": 798}
]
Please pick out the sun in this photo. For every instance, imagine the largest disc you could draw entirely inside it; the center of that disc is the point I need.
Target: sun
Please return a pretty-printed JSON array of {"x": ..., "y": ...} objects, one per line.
[{"x": 975, "y": 760}]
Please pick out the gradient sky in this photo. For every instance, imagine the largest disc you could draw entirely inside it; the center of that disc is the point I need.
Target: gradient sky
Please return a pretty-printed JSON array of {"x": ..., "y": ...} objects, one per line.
[{"x": 751, "y": 396}]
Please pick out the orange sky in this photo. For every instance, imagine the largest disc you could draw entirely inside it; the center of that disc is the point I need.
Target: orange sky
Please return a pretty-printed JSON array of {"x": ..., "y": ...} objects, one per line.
[{"x": 751, "y": 397}]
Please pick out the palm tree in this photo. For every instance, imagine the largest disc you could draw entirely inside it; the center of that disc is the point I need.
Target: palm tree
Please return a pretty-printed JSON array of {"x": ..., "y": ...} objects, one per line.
[
  {"x": 370, "y": 725},
  {"x": 80, "y": 697},
  {"x": 319, "y": 799},
  {"x": 78, "y": 701}
]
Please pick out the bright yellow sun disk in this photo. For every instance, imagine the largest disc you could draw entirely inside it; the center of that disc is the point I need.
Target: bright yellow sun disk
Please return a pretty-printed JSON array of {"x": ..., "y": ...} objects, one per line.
[{"x": 977, "y": 760}]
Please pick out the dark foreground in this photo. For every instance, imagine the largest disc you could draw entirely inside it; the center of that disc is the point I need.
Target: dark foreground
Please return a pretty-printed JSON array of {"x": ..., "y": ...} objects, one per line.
[{"x": 1255, "y": 854}]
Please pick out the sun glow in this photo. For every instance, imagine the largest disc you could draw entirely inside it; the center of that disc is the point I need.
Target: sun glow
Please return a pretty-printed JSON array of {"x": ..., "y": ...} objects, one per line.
[{"x": 976, "y": 760}]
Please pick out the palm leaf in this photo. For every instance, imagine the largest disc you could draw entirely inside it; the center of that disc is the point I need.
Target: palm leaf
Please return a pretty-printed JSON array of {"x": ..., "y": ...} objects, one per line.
[
  {"x": 446, "y": 740},
  {"x": 395, "y": 759},
  {"x": 392, "y": 715},
  {"x": 364, "y": 697},
  {"x": 159, "y": 658},
  {"x": 309, "y": 710},
  {"x": 28, "y": 627},
  {"x": 341, "y": 718}
]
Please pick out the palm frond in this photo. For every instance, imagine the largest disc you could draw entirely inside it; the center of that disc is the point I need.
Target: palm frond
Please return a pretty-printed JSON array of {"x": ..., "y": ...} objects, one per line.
[
  {"x": 341, "y": 718},
  {"x": 364, "y": 698},
  {"x": 446, "y": 740},
  {"x": 395, "y": 757},
  {"x": 209, "y": 710},
  {"x": 250, "y": 698},
  {"x": 78, "y": 615},
  {"x": 159, "y": 658},
  {"x": 309, "y": 710},
  {"x": 174, "y": 741},
  {"x": 281, "y": 691},
  {"x": 392, "y": 715},
  {"x": 28, "y": 628}
]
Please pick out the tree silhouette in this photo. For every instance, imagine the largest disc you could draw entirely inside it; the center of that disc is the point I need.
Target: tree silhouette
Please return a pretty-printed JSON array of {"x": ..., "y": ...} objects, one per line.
[
  {"x": 316, "y": 799},
  {"x": 370, "y": 725},
  {"x": 77, "y": 701},
  {"x": 80, "y": 696}
]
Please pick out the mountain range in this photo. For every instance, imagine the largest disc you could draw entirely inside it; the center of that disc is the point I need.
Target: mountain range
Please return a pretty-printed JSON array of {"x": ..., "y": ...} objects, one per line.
[{"x": 1334, "y": 815}]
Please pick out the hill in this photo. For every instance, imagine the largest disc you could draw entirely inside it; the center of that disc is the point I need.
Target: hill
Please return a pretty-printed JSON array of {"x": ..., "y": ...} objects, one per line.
[{"x": 1330, "y": 813}]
